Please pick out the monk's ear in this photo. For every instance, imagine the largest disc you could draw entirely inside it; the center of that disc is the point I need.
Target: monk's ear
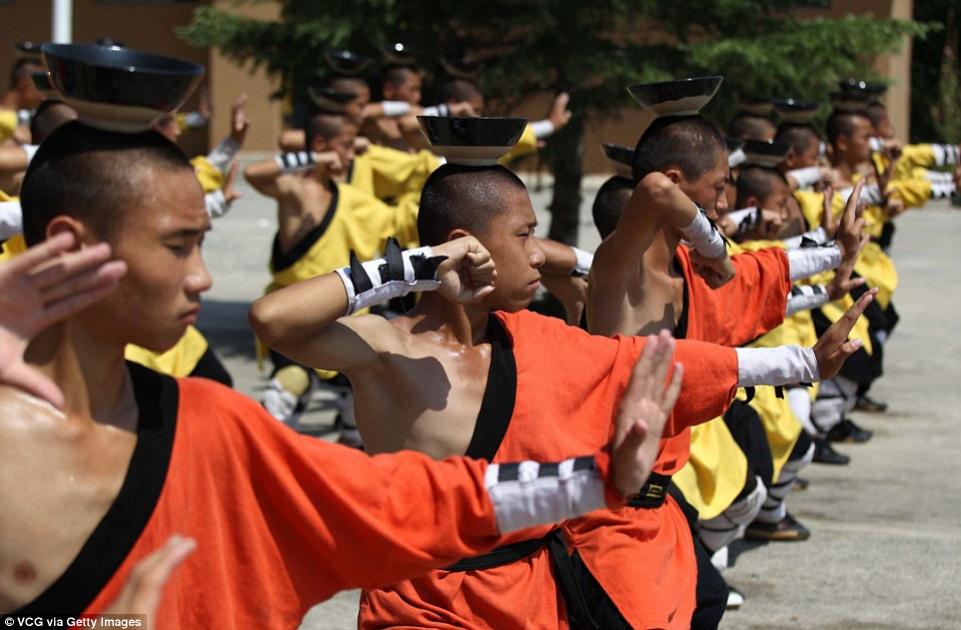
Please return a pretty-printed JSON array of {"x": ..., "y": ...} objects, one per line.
[
  {"x": 457, "y": 233},
  {"x": 674, "y": 174},
  {"x": 83, "y": 235}
]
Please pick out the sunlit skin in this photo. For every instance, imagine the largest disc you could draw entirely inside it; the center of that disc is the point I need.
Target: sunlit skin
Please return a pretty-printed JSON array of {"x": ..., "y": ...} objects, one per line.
[
  {"x": 408, "y": 90},
  {"x": 87, "y": 448}
]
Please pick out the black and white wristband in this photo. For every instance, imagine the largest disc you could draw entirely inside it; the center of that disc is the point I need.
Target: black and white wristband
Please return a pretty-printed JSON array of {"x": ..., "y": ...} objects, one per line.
[
  {"x": 804, "y": 297},
  {"x": 705, "y": 238},
  {"x": 784, "y": 365},
  {"x": 395, "y": 275},
  {"x": 946, "y": 154},
  {"x": 525, "y": 494},
  {"x": 805, "y": 262},
  {"x": 295, "y": 161},
  {"x": 815, "y": 238},
  {"x": 942, "y": 190},
  {"x": 395, "y": 109}
]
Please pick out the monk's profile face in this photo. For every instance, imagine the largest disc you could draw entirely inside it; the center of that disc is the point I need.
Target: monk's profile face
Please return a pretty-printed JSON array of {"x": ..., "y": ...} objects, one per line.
[
  {"x": 518, "y": 257},
  {"x": 708, "y": 189},
  {"x": 408, "y": 90},
  {"x": 806, "y": 158},
  {"x": 855, "y": 147},
  {"x": 159, "y": 237},
  {"x": 354, "y": 110}
]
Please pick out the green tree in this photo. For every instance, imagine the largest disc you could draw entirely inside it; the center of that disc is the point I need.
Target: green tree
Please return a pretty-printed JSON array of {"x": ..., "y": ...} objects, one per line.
[
  {"x": 936, "y": 75},
  {"x": 593, "y": 50}
]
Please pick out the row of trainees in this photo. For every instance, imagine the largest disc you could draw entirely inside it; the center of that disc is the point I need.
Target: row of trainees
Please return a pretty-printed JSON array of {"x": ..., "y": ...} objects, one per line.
[
  {"x": 715, "y": 274},
  {"x": 781, "y": 448},
  {"x": 282, "y": 521}
]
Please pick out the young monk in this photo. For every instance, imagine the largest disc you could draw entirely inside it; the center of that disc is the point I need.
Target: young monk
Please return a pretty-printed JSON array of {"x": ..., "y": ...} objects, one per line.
[
  {"x": 479, "y": 379},
  {"x": 126, "y": 457},
  {"x": 644, "y": 280}
]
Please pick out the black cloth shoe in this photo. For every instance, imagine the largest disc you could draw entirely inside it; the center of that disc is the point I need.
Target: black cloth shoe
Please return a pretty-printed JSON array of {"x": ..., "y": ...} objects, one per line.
[
  {"x": 824, "y": 453},
  {"x": 788, "y": 529},
  {"x": 847, "y": 431},
  {"x": 870, "y": 405}
]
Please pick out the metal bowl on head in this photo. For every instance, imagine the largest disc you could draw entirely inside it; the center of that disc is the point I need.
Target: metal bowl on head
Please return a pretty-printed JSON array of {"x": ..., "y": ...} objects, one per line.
[
  {"x": 855, "y": 86},
  {"x": 621, "y": 157},
  {"x": 796, "y": 111},
  {"x": 398, "y": 53},
  {"x": 849, "y": 101},
  {"x": 764, "y": 154},
  {"x": 684, "y": 97},
  {"x": 119, "y": 89},
  {"x": 472, "y": 141},
  {"x": 347, "y": 62},
  {"x": 755, "y": 105},
  {"x": 41, "y": 81},
  {"x": 329, "y": 100}
]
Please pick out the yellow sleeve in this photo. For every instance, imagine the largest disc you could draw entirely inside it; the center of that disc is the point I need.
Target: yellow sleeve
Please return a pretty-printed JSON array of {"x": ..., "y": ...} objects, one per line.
[
  {"x": 397, "y": 173},
  {"x": 179, "y": 361},
  {"x": 8, "y": 124},
  {"x": 525, "y": 146},
  {"x": 913, "y": 191},
  {"x": 209, "y": 176},
  {"x": 913, "y": 156}
]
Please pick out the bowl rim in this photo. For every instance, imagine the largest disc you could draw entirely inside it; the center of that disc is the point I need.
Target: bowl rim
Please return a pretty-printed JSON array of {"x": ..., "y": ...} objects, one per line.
[
  {"x": 57, "y": 52},
  {"x": 513, "y": 119},
  {"x": 685, "y": 81}
]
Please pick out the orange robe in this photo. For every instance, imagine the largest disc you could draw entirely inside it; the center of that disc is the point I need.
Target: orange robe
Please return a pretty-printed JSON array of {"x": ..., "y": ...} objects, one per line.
[
  {"x": 565, "y": 392},
  {"x": 282, "y": 521}
]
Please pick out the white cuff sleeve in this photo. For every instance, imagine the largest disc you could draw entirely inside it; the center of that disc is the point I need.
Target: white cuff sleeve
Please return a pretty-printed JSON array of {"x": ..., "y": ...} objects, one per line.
[
  {"x": 876, "y": 144},
  {"x": 784, "y": 365},
  {"x": 216, "y": 204},
  {"x": 30, "y": 150},
  {"x": 805, "y": 297},
  {"x": 741, "y": 215},
  {"x": 223, "y": 153},
  {"x": 870, "y": 194},
  {"x": 806, "y": 177},
  {"x": 525, "y": 494},
  {"x": 24, "y": 116},
  {"x": 436, "y": 110},
  {"x": 938, "y": 176},
  {"x": 704, "y": 237},
  {"x": 807, "y": 261},
  {"x": 945, "y": 154},
  {"x": 394, "y": 109},
  {"x": 584, "y": 261},
  {"x": 542, "y": 128},
  {"x": 942, "y": 190},
  {"x": 736, "y": 158},
  {"x": 819, "y": 236},
  {"x": 11, "y": 219},
  {"x": 195, "y": 120}
]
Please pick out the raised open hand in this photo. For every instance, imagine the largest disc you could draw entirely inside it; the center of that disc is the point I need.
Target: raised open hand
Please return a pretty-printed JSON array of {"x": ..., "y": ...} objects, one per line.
[
  {"x": 643, "y": 413},
  {"x": 46, "y": 284}
]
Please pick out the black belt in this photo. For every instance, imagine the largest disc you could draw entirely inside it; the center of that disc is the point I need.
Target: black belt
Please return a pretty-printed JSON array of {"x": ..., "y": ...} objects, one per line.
[
  {"x": 652, "y": 494},
  {"x": 501, "y": 555}
]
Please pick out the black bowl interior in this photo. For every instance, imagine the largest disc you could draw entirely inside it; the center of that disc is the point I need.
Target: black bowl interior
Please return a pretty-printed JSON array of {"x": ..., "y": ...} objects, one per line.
[
  {"x": 765, "y": 153},
  {"x": 733, "y": 144},
  {"x": 651, "y": 94},
  {"x": 795, "y": 105},
  {"x": 859, "y": 86},
  {"x": 41, "y": 80},
  {"x": 120, "y": 76},
  {"x": 618, "y": 153},
  {"x": 346, "y": 61},
  {"x": 449, "y": 131},
  {"x": 399, "y": 53}
]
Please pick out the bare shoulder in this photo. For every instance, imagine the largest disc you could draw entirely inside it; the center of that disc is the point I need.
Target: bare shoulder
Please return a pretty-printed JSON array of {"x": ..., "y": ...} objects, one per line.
[{"x": 23, "y": 414}]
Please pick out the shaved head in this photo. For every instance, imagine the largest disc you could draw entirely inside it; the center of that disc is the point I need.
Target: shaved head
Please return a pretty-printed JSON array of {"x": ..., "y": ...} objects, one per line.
[
  {"x": 92, "y": 175},
  {"x": 464, "y": 197},
  {"x": 688, "y": 143},
  {"x": 843, "y": 124},
  {"x": 756, "y": 181},
  {"x": 799, "y": 137},
  {"x": 751, "y": 127},
  {"x": 610, "y": 202},
  {"x": 325, "y": 126}
]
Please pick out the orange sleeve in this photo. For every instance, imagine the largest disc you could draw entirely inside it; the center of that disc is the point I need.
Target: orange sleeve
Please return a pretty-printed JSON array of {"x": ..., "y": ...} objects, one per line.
[
  {"x": 339, "y": 518},
  {"x": 709, "y": 385},
  {"x": 747, "y": 307}
]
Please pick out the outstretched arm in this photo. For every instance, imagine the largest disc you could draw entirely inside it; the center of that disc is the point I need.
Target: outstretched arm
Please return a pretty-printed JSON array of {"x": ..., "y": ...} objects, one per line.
[{"x": 306, "y": 322}]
